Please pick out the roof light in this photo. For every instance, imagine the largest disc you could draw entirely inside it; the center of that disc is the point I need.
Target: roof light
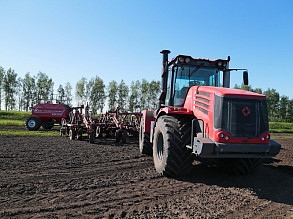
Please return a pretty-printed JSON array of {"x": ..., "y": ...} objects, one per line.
[
  {"x": 181, "y": 59},
  {"x": 187, "y": 60},
  {"x": 220, "y": 64}
]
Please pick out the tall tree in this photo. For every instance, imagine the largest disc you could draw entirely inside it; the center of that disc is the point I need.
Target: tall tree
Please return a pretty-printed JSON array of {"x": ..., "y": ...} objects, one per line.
[
  {"x": 44, "y": 87},
  {"x": 122, "y": 95},
  {"x": 144, "y": 91},
  {"x": 2, "y": 73},
  {"x": 154, "y": 89},
  {"x": 29, "y": 91},
  {"x": 283, "y": 109},
  {"x": 97, "y": 94},
  {"x": 133, "y": 103},
  {"x": 20, "y": 94},
  {"x": 68, "y": 95},
  {"x": 80, "y": 90},
  {"x": 290, "y": 111},
  {"x": 9, "y": 88},
  {"x": 273, "y": 98},
  {"x": 112, "y": 95},
  {"x": 61, "y": 94}
]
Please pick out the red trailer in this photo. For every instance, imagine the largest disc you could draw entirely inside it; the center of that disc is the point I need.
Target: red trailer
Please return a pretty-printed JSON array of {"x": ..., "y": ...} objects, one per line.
[{"x": 47, "y": 115}]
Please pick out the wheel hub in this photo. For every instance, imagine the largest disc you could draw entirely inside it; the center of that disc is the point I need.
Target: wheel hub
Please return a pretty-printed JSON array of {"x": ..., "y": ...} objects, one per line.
[{"x": 31, "y": 123}]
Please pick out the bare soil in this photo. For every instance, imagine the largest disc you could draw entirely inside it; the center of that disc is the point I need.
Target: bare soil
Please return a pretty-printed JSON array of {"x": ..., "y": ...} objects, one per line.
[{"x": 49, "y": 177}]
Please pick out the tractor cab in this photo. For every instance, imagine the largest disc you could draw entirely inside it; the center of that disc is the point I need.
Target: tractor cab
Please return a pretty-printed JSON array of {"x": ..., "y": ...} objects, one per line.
[{"x": 185, "y": 72}]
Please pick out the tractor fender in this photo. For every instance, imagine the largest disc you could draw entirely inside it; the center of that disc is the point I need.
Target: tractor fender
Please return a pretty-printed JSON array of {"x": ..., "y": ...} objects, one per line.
[{"x": 147, "y": 117}]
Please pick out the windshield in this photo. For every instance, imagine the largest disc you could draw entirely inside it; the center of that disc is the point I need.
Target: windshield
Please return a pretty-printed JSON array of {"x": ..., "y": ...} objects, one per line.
[{"x": 188, "y": 76}]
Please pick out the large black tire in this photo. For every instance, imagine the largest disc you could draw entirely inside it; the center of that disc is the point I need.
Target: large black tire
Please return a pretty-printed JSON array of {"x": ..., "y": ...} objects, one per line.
[
  {"x": 118, "y": 135},
  {"x": 124, "y": 136},
  {"x": 145, "y": 146},
  {"x": 241, "y": 166},
  {"x": 171, "y": 157},
  {"x": 33, "y": 123},
  {"x": 91, "y": 138}
]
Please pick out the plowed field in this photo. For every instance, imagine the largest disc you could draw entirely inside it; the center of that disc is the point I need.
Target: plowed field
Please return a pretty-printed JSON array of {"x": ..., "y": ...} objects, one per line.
[{"x": 48, "y": 177}]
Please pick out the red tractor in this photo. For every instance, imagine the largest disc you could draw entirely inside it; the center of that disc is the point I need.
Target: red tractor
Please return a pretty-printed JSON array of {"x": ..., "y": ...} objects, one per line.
[
  {"x": 46, "y": 115},
  {"x": 200, "y": 117}
]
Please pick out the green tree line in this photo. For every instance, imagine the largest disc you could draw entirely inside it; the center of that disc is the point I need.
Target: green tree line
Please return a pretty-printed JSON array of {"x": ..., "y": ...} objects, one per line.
[
  {"x": 20, "y": 94},
  {"x": 280, "y": 108}
]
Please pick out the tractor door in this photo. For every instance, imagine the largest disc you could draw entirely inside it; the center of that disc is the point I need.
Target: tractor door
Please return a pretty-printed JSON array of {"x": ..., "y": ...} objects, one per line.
[{"x": 181, "y": 78}]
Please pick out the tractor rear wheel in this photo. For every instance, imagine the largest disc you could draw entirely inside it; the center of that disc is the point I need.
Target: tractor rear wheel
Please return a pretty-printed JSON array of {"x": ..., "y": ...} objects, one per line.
[
  {"x": 33, "y": 123},
  {"x": 171, "y": 157},
  {"x": 145, "y": 146}
]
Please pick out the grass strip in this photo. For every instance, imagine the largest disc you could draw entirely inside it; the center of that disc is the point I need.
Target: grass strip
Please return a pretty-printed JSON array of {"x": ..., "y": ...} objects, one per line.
[
  {"x": 281, "y": 130},
  {"x": 29, "y": 133},
  {"x": 12, "y": 122},
  {"x": 282, "y": 137},
  {"x": 14, "y": 115}
]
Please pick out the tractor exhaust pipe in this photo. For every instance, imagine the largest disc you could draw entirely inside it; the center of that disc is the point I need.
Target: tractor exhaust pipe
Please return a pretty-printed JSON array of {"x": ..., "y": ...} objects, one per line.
[{"x": 164, "y": 78}]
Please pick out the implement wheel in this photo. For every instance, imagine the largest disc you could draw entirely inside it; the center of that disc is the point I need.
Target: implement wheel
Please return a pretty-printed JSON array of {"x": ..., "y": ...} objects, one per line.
[
  {"x": 145, "y": 146},
  {"x": 33, "y": 123},
  {"x": 124, "y": 135},
  {"x": 79, "y": 134},
  {"x": 98, "y": 132},
  {"x": 171, "y": 157},
  {"x": 91, "y": 138},
  {"x": 71, "y": 134},
  {"x": 118, "y": 135}
]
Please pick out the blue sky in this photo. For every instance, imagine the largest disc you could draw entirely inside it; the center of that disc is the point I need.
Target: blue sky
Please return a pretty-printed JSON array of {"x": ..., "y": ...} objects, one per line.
[{"x": 122, "y": 39}]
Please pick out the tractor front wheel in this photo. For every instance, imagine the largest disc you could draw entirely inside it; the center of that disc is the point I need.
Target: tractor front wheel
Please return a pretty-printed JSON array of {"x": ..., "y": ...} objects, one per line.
[
  {"x": 33, "y": 123},
  {"x": 171, "y": 157}
]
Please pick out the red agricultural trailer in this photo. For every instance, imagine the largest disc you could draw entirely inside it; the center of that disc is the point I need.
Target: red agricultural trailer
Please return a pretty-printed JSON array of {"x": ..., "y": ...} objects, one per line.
[{"x": 47, "y": 115}]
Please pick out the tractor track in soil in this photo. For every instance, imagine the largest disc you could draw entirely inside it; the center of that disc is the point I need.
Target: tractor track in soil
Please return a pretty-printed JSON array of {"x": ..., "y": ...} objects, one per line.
[{"x": 51, "y": 176}]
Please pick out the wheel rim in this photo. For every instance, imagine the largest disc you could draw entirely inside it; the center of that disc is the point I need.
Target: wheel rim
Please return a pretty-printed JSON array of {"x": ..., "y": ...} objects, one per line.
[
  {"x": 160, "y": 146},
  {"x": 32, "y": 123}
]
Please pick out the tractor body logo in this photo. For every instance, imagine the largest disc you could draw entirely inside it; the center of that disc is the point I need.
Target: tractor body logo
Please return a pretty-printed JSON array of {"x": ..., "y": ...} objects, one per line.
[{"x": 246, "y": 111}]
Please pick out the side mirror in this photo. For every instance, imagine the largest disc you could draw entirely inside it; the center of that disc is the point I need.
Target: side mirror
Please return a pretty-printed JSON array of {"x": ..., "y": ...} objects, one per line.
[{"x": 245, "y": 77}]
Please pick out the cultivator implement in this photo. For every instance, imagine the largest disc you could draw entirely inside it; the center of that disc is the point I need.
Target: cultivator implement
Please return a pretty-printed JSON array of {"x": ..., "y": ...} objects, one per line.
[{"x": 109, "y": 124}]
